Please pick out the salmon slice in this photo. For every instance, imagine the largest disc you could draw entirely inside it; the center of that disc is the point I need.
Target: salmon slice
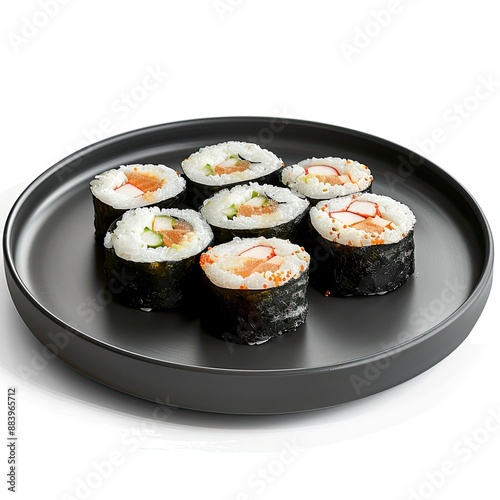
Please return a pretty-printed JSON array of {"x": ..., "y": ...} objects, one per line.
[
  {"x": 176, "y": 235},
  {"x": 248, "y": 266},
  {"x": 249, "y": 210},
  {"x": 368, "y": 226},
  {"x": 230, "y": 166},
  {"x": 271, "y": 265},
  {"x": 144, "y": 182},
  {"x": 257, "y": 257},
  {"x": 172, "y": 237}
]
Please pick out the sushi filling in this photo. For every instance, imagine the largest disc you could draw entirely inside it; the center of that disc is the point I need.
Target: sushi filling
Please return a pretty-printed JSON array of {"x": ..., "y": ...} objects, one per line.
[
  {"x": 167, "y": 231},
  {"x": 253, "y": 206},
  {"x": 234, "y": 163},
  {"x": 256, "y": 204},
  {"x": 325, "y": 174},
  {"x": 154, "y": 235},
  {"x": 133, "y": 186},
  {"x": 322, "y": 178},
  {"x": 362, "y": 220},
  {"x": 363, "y": 216},
  {"x": 140, "y": 184},
  {"x": 254, "y": 263},
  {"x": 258, "y": 259},
  {"x": 230, "y": 162}
]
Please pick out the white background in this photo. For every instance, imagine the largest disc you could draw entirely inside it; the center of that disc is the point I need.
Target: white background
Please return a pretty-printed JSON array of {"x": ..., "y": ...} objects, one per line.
[{"x": 65, "y": 79}]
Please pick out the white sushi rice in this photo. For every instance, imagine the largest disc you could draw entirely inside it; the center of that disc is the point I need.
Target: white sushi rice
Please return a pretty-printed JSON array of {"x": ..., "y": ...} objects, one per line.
[
  {"x": 127, "y": 242},
  {"x": 291, "y": 206},
  {"x": 104, "y": 186},
  {"x": 226, "y": 257},
  {"x": 331, "y": 229},
  {"x": 295, "y": 177},
  {"x": 213, "y": 155}
]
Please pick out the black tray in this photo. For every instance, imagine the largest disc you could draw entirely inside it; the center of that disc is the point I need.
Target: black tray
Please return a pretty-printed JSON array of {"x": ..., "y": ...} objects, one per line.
[{"x": 349, "y": 348}]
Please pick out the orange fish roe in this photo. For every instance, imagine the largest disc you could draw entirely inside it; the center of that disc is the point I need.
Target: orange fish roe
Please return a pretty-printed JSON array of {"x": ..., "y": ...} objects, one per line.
[
  {"x": 264, "y": 285},
  {"x": 205, "y": 259},
  {"x": 243, "y": 287}
]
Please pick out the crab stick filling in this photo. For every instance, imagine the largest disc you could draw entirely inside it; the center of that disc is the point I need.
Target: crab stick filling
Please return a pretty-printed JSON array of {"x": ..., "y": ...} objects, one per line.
[
  {"x": 327, "y": 174},
  {"x": 258, "y": 259},
  {"x": 364, "y": 216}
]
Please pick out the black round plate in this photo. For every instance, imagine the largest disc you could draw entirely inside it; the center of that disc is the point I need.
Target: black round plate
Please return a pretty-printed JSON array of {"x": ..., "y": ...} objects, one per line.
[{"x": 349, "y": 347}]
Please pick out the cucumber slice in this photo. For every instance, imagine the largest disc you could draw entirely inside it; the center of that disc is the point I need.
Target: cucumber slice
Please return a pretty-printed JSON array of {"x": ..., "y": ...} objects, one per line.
[
  {"x": 207, "y": 169},
  {"x": 230, "y": 212},
  {"x": 164, "y": 223},
  {"x": 152, "y": 238}
]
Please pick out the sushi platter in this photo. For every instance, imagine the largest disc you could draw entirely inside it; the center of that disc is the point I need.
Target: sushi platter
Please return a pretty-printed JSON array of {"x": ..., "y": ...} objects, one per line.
[{"x": 187, "y": 263}]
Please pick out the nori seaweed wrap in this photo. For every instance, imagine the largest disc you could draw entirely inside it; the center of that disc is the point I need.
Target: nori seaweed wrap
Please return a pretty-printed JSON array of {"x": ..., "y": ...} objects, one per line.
[
  {"x": 132, "y": 186},
  {"x": 255, "y": 289},
  {"x": 156, "y": 253},
  {"x": 360, "y": 245},
  {"x": 253, "y": 210},
  {"x": 226, "y": 165}
]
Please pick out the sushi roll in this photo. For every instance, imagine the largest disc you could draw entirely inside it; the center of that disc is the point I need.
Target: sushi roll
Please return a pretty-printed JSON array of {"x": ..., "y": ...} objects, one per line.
[
  {"x": 152, "y": 256},
  {"x": 225, "y": 165},
  {"x": 361, "y": 245},
  {"x": 251, "y": 210},
  {"x": 326, "y": 178},
  {"x": 132, "y": 186},
  {"x": 256, "y": 288}
]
